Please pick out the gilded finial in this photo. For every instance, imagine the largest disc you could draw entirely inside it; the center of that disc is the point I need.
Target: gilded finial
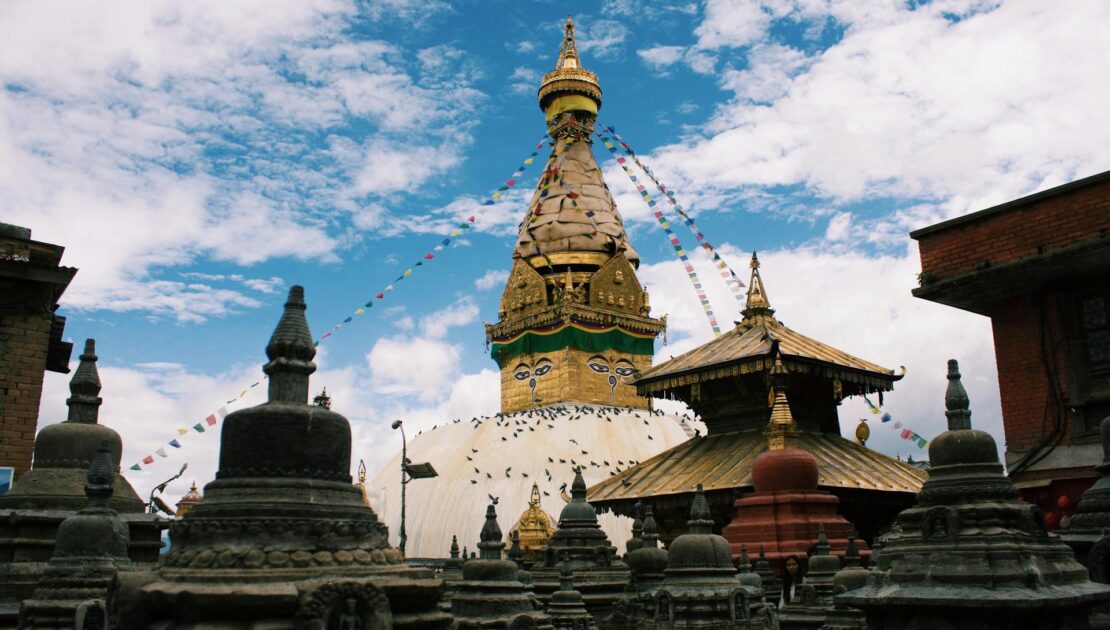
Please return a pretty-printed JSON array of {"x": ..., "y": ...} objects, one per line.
[
  {"x": 758, "y": 306},
  {"x": 84, "y": 388},
  {"x": 322, "y": 399},
  {"x": 863, "y": 432},
  {"x": 782, "y": 420},
  {"x": 569, "y": 87}
]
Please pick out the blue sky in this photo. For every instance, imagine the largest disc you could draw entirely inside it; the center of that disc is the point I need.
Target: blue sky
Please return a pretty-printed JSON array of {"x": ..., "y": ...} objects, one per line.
[{"x": 198, "y": 159}]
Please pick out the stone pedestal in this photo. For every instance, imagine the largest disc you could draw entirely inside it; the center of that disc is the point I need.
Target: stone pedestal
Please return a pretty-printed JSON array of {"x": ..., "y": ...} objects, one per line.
[
  {"x": 599, "y": 575},
  {"x": 282, "y": 538},
  {"x": 971, "y": 554}
]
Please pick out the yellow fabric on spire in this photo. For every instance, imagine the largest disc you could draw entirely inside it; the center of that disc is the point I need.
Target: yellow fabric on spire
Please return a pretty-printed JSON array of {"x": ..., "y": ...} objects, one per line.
[{"x": 569, "y": 103}]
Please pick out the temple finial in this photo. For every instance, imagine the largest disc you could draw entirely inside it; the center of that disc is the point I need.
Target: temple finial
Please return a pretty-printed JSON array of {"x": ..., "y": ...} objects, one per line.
[
  {"x": 745, "y": 563},
  {"x": 84, "y": 388},
  {"x": 650, "y": 535},
  {"x": 782, "y": 420},
  {"x": 491, "y": 546},
  {"x": 578, "y": 487},
  {"x": 454, "y": 547},
  {"x": 851, "y": 553},
  {"x": 569, "y": 87},
  {"x": 101, "y": 476},
  {"x": 701, "y": 521},
  {"x": 290, "y": 352},
  {"x": 956, "y": 401},
  {"x": 758, "y": 305},
  {"x": 822, "y": 546}
]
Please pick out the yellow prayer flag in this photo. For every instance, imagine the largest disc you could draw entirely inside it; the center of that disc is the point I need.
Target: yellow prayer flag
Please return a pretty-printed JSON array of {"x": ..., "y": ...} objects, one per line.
[
  {"x": 408, "y": 272},
  {"x": 360, "y": 311}
]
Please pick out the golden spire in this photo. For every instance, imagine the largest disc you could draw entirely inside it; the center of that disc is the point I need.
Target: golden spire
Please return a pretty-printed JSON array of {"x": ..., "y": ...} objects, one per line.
[
  {"x": 569, "y": 87},
  {"x": 782, "y": 422},
  {"x": 534, "y": 528},
  {"x": 191, "y": 498},
  {"x": 758, "y": 305},
  {"x": 362, "y": 483}
]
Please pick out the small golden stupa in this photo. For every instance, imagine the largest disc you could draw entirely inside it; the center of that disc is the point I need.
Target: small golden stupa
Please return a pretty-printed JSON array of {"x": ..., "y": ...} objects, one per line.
[
  {"x": 535, "y": 528},
  {"x": 191, "y": 498},
  {"x": 362, "y": 483}
]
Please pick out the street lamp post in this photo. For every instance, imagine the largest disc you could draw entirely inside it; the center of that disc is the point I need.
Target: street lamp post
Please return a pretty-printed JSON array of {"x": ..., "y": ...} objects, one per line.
[
  {"x": 397, "y": 424},
  {"x": 409, "y": 471}
]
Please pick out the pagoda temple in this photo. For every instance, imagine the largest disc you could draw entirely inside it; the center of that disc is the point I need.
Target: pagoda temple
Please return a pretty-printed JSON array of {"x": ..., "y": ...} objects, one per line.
[
  {"x": 731, "y": 383},
  {"x": 573, "y": 330}
]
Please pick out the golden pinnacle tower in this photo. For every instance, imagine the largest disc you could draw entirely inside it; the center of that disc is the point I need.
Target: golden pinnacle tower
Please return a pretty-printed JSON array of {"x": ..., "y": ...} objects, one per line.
[{"x": 573, "y": 323}]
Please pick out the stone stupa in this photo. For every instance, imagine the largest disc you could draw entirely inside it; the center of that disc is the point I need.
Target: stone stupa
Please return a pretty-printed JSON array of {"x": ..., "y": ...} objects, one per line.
[
  {"x": 54, "y": 489},
  {"x": 491, "y": 595},
  {"x": 647, "y": 563},
  {"x": 282, "y": 538},
  {"x": 700, "y": 589},
  {"x": 91, "y": 547},
  {"x": 971, "y": 554},
  {"x": 599, "y": 574}
]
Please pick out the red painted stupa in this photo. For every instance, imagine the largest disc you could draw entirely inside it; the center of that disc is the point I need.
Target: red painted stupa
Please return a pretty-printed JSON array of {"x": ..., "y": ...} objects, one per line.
[{"x": 786, "y": 509}]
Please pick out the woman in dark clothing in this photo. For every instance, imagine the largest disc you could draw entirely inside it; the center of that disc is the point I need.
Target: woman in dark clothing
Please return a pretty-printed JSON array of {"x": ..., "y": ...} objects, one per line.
[{"x": 792, "y": 577}]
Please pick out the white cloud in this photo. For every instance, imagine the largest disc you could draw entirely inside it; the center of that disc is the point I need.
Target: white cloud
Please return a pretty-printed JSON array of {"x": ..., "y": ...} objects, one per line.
[
  {"x": 492, "y": 279},
  {"x": 601, "y": 39},
  {"x": 662, "y": 55},
  {"x": 125, "y": 133},
  {"x": 435, "y": 325},
  {"x": 524, "y": 80},
  {"x": 413, "y": 366},
  {"x": 914, "y": 106},
  {"x": 732, "y": 23}
]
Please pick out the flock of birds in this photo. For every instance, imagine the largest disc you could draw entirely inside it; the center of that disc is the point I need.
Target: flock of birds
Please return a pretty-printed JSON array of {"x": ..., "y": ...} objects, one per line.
[{"x": 524, "y": 422}]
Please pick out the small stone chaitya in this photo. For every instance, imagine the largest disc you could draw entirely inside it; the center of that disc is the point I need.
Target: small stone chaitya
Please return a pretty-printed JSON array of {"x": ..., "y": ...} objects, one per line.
[{"x": 971, "y": 554}]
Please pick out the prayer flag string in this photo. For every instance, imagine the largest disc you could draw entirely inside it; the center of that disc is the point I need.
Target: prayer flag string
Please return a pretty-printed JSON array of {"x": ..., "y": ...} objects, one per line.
[
  {"x": 671, "y": 236},
  {"x": 906, "y": 432},
  {"x": 213, "y": 418},
  {"x": 731, "y": 279}
]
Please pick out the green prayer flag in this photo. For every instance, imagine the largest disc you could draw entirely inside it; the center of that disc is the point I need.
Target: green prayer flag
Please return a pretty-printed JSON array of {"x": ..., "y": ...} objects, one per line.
[{"x": 198, "y": 428}]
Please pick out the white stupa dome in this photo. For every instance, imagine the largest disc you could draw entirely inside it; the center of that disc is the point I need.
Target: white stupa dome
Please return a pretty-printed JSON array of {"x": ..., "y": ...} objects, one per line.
[{"x": 502, "y": 456}]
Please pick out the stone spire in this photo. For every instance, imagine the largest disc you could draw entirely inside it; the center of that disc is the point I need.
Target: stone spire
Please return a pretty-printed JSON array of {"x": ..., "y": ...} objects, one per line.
[
  {"x": 599, "y": 574},
  {"x": 745, "y": 573},
  {"x": 84, "y": 400},
  {"x": 701, "y": 521},
  {"x": 290, "y": 352},
  {"x": 813, "y": 600},
  {"x": 636, "y": 541},
  {"x": 92, "y": 545},
  {"x": 966, "y": 529},
  {"x": 282, "y": 529}
]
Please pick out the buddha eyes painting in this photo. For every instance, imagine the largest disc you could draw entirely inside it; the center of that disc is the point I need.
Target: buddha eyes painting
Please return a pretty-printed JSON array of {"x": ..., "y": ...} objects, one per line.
[
  {"x": 532, "y": 372},
  {"x": 616, "y": 370}
]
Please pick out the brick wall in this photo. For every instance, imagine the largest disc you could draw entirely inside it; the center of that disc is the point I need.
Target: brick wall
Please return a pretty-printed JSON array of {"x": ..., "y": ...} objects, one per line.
[
  {"x": 24, "y": 339},
  {"x": 1023, "y": 380},
  {"x": 1015, "y": 233}
]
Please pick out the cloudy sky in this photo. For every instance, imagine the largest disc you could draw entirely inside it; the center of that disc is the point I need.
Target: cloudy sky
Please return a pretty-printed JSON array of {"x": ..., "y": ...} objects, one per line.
[{"x": 196, "y": 159}]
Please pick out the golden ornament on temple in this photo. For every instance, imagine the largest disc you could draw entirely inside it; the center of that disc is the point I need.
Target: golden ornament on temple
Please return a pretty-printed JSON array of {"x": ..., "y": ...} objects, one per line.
[
  {"x": 191, "y": 498},
  {"x": 534, "y": 528},
  {"x": 863, "y": 432},
  {"x": 569, "y": 87}
]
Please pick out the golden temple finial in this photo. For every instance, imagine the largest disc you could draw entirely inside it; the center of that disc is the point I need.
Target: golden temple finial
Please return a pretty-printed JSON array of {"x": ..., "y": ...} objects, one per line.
[
  {"x": 569, "y": 87},
  {"x": 782, "y": 422},
  {"x": 362, "y": 483},
  {"x": 758, "y": 305},
  {"x": 535, "y": 528}
]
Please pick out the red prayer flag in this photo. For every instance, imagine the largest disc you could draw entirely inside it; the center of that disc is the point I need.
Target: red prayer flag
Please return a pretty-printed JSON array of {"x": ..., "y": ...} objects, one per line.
[
  {"x": 380, "y": 295},
  {"x": 429, "y": 256},
  {"x": 211, "y": 420},
  {"x": 149, "y": 459},
  {"x": 510, "y": 182},
  {"x": 471, "y": 219}
]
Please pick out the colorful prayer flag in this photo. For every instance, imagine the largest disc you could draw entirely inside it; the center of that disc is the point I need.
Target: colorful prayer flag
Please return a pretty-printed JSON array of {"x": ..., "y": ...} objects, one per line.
[
  {"x": 175, "y": 444},
  {"x": 182, "y": 431},
  {"x": 161, "y": 452},
  {"x": 211, "y": 420},
  {"x": 135, "y": 467},
  {"x": 149, "y": 459},
  {"x": 198, "y": 428}
]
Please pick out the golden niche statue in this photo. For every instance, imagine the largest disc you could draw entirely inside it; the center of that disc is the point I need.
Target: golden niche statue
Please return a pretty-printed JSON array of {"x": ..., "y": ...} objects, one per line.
[{"x": 535, "y": 528}]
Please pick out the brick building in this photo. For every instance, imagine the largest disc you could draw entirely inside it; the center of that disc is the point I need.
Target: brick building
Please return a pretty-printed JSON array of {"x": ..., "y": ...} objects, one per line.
[
  {"x": 1039, "y": 267},
  {"x": 31, "y": 282}
]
